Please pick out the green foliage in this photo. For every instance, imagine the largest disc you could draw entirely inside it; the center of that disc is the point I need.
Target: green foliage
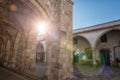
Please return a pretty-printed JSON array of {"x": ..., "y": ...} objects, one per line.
[
  {"x": 76, "y": 56},
  {"x": 88, "y": 53}
]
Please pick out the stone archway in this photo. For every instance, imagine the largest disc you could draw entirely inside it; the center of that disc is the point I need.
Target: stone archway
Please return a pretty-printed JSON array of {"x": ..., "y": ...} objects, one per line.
[
  {"x": 7, "y": 53},
  {"x": 82, "y": 46},
  {"x": 109, "y": 42},
  {"x": 56, "y": 69},
  {"x": 81, "y": 43},
  {"x": 1, "y": 50},
  {"x": 17, "y": 52},
  {"x": 40, "y": 53},
  {"x": 41, "y": 65}
]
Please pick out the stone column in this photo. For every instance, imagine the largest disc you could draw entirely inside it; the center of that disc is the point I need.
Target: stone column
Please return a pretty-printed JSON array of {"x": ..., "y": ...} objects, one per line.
[
  {"x": 94, "y": 56},
  {"x": 52, "y": 55},
  {"x": 31, "y": 49}
]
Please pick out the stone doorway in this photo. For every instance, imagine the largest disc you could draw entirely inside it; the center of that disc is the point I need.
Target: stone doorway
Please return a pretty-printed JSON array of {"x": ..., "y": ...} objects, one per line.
[
  {"x": 40, "y": 53},
  {"x": 40, "y": 68}
]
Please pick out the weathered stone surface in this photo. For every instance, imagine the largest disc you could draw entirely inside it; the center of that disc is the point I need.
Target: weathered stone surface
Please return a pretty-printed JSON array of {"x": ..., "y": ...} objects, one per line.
[
  {"x": 91, "y": 37},
  {"x": 19, "y": 35}
]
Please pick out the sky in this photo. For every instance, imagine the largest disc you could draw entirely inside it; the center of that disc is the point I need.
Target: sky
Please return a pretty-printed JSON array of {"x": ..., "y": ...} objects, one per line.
[{"x": 92, "y": 12}]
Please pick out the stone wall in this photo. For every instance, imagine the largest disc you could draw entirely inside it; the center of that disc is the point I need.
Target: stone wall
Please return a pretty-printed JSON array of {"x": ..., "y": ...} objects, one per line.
[
  {"x": 19, "y": 33},
  {"x": 93, "y": 37},
  {"x": 82, "y": 43},
  {"x": 112, "y": 42},
  {"x": 66, "y": 38}
]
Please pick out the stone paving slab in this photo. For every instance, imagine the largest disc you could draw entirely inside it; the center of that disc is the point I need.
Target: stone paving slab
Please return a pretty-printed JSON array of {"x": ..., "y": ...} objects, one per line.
[
  {"x": 39, "y": 71},
  {"x": 8, "y": 75}
]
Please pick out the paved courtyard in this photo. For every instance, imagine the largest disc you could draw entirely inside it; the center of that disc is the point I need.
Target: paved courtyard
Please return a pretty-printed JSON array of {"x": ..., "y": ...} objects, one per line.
[{"x": 104, "y": 73}]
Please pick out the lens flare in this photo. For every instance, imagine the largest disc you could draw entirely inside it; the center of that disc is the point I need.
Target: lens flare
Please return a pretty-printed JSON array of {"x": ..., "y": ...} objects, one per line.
[
  {"x": 13, "y": 7},
  {"x": 42, "y": 28}
]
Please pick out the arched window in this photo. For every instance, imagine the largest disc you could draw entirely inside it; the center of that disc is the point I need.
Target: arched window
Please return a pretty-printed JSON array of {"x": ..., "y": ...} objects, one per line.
[{"x": 40, "y": 56}]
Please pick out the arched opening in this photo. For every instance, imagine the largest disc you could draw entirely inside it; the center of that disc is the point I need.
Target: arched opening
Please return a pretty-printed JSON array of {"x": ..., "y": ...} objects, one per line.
[
  {"x": 82, "y": 48},
  {"x": 108, "y": 45},
  {"x": 40, "y": 53},
  {"x": 17, "y": 54},
  {"x": 81, "y": 43},
  {"x": 40, "y": 68},
  {"x": 8, "y": 53}
]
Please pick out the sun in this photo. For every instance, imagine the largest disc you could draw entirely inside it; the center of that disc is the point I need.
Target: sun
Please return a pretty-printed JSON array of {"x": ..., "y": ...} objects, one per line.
[{"x": 42, "y": 28}]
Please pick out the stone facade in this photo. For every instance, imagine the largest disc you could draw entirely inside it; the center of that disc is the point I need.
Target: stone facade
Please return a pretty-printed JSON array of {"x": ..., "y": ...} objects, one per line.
[
  {"x": 92, "y": 37},
  {"x": 18, "y": 35},
  {"x": 112, "y": 44}
]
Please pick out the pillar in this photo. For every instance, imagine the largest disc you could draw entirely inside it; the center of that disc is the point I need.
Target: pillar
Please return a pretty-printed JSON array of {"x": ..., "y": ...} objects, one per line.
[{"x": 94, "y": 56}]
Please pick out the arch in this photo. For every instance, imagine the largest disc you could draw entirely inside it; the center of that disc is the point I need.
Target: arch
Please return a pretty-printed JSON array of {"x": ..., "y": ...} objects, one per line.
[
  {"x": 40, "y": 52},
  {"x": 16, "y": 53},
  {"x": 1, "y": 40},
  {"x": 86, "y": 40},
  {"x": 40, "y": 45},
  {"x": 12, "y": 25},
  {"x": 108, "y": 47},
  {"x": 41, "y": 9},
  {"x": 7, "y": 53},
  {"x": 5, "y": 35},
  {"x": 106, "y": 31},
  {"x": 12, "y": 22},
  {"x": 1, "y": 43},
  {"x": 2, "y": 49},
  {"x": 5, "y": 30},
  {"x": 1, "y": 46},
  {"x": 27, "y": 34}
]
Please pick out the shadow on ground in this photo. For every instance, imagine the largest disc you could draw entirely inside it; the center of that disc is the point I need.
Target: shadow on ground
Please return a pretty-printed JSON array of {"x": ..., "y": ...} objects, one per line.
[{"x": 104, "y": 73}]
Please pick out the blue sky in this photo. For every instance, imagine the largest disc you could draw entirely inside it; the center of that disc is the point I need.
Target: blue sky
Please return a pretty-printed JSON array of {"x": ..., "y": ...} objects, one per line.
[{"x": 91, "y": 12}]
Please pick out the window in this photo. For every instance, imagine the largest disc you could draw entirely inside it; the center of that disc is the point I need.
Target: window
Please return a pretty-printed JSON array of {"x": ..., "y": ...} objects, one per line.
[
  {"x": 104, "y": 38},
  {"x": 75, "y": 41}
]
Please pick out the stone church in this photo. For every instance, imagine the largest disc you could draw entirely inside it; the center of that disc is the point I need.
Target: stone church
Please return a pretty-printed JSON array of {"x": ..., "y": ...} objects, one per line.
[
  {"x": 103, "y": 39},
  {"x": 20, "y": 41}
]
